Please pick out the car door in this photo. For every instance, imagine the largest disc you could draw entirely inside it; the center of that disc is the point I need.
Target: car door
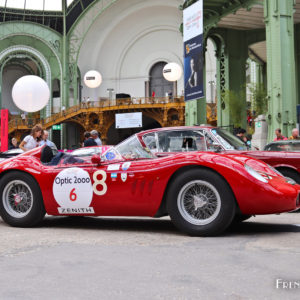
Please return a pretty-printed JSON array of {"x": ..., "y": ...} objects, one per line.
[{"x": 125, "y": 188}]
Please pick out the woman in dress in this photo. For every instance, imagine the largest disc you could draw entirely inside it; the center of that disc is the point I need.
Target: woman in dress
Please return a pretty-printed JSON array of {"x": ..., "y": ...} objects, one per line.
[{"x": 31, "y": 141}]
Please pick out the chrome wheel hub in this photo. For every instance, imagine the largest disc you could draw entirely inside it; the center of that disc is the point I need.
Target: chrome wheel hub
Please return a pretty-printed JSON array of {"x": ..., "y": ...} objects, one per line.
[
  {"x": 199, "y": 202},
  {"x": 17, "y": 198}
]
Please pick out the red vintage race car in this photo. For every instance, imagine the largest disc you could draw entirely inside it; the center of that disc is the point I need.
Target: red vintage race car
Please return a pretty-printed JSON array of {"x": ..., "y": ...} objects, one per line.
[
  {"x": 166, "y": 141},
  {"x": 202, "y": 192}
]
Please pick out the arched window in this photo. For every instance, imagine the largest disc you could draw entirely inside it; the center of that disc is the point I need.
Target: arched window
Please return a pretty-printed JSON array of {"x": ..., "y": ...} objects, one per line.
[{"x": 158, "y": 84}]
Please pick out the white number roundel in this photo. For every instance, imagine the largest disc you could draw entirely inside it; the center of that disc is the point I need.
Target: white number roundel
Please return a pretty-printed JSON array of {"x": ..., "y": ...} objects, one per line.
[{"x": 72, "y": 188}]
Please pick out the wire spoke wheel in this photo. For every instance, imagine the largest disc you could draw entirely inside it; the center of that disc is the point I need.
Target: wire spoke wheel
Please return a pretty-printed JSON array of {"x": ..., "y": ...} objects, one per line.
[
  {"x": 17, "y": 198},
  {"x": 21, "y": 200},
  {"x": 199, "y": 202}
]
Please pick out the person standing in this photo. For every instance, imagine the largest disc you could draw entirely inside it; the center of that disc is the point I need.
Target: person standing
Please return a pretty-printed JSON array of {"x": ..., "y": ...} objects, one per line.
[
  {"x": 88, "y": 140},
  {"x": 14, "y": 144},
  {"x": 23, "y": 117},
  {"x": 32, "y": 140},
  {"x": 241, "y": 135},
  {"x": 279, "y": 136},
  {"x": 295, "y": 134},
  {"x": 45, "y": 140},
  {"x": 95, "y": 136}
]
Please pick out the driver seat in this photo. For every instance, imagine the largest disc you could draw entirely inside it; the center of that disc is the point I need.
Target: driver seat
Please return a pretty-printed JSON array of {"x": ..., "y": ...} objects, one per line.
[{"x": 46, "y": 154}]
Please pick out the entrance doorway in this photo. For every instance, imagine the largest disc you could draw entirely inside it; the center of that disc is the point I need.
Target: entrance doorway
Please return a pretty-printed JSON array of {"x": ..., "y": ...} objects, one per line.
[{"x": 158, "y": 84}]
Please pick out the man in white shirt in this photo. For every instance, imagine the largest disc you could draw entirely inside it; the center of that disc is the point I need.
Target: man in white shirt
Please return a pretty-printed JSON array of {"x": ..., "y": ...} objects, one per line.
[
  {"x": 95, "y": 136},
  {"x": 45, "y": 140}
]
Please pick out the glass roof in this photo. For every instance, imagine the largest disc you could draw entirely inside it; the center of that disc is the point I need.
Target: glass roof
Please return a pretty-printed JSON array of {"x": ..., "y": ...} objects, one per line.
[{"x": 49, "y": 5}]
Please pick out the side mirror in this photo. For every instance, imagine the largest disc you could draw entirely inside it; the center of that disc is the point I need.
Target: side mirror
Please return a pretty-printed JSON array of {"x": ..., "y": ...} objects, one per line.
[{"x": 96, "y": 160}]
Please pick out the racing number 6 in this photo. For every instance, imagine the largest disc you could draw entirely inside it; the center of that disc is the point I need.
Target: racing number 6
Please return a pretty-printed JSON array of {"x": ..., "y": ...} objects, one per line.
[
  {"x": 101, "y": 182},
  {"x": 73, "y": 196}
]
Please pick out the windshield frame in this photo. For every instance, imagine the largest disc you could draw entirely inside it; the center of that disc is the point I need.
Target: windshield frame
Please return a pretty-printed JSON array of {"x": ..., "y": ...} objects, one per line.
[{"x": 227, "y": 140}]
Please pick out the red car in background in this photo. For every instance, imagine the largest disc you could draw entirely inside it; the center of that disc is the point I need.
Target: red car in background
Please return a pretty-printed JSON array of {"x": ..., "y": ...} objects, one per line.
[
  {"x": 164, "y": 141},
  {"x": 202, "y": 192}
]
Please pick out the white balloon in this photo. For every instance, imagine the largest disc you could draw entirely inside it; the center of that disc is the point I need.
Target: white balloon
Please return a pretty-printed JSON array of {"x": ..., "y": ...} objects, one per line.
[
  {"x": 92, "y": 79},
  {"x": 172, "y": 71},
  {"x": 30, "y": 93}
]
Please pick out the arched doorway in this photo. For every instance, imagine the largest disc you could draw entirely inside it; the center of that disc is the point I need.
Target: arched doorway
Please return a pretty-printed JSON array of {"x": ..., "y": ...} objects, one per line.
[
  {"x": 158, "y": 84},
  {"x": 29, "y": 61}
]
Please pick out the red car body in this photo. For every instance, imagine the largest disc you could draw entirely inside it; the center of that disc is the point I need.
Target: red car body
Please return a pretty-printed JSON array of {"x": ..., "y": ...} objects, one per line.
[
  {"x": 124, "y": 185},
  {"x": 288, "y": 163}
]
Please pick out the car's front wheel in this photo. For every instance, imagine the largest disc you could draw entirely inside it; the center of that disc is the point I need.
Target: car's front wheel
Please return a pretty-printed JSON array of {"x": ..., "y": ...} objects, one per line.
[
  {"x": 200, "y": 203},
  {"x": 21, "y": 203},
  {"x": 290, "y": 174}
]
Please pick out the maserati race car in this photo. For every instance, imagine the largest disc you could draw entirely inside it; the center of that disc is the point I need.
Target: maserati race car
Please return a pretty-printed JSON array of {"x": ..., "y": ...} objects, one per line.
[{"x": 202, "y": 192}]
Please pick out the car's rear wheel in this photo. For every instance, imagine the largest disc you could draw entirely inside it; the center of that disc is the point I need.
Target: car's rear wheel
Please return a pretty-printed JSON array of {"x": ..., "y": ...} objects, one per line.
[
  {"x": 200, "y": 203},
  {"x": 21, "y": 203}
]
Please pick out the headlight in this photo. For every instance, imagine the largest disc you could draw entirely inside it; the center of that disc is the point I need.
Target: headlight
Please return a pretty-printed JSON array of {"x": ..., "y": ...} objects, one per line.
[
  {"x": 276, "y": 171},
  {"x": 290, "y": 180},
  {"x": 255, "y": 174}
]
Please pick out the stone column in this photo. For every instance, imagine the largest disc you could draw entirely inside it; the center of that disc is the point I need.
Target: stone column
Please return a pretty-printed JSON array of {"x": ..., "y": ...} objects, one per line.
[
  {"x": 280, "y": 66},
  {"x": 231, "y": 74}
]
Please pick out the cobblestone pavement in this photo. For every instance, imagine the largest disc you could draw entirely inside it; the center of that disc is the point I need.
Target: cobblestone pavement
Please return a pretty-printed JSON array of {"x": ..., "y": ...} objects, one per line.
[{"x": 130, "y": 258}]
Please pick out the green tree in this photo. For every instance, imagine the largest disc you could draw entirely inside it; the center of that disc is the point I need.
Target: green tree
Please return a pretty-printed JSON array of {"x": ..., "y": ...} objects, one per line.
[
  {"x": 259, "y": 99},
  {"x": 234, "y": 101}
]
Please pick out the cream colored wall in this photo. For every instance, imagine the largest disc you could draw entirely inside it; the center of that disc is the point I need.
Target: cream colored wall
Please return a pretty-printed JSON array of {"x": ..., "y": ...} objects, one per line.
[{"x": 127, "y": 40}]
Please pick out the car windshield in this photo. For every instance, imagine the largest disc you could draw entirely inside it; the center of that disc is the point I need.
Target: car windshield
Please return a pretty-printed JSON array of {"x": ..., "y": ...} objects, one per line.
[
  {"x": 283, "y": 146},
  {"x": 131, "y": 148},
  {"x": 175, "y": 141},
  {"x": 228, "y": 140},
  {"x": 86, "y": 151}
]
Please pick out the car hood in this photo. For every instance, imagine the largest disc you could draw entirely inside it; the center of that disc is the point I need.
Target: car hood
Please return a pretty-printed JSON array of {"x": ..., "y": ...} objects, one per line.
[{"x": 251, "y": 161}]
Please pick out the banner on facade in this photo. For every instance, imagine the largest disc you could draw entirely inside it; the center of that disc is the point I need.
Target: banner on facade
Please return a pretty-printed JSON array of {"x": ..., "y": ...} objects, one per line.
[
  {"x": 4, "y": 129},
  {"x": 129, "y": 120},
  {"x": 193, "y": 51}
]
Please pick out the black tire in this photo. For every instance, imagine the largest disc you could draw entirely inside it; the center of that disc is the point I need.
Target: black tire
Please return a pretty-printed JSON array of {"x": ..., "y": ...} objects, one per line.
[
  {"x": 21, "y": 202},
  {"x": 290, "y": 174},
  {"x": 241, "y": 218},
  {"x": 181, "y": 203}
]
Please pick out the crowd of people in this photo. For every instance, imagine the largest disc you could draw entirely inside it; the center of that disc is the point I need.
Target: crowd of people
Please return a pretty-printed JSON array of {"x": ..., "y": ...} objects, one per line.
[
  {"x": 280, "y": 137},
  {"x": 246, "y": 139},
  {"x": 39, "y": 137},
  {"x": 91, "y": 139}
]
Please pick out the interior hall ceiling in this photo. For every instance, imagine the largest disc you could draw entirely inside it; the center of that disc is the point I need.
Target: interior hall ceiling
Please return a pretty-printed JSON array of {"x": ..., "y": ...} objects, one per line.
[
  {"x": 225, "y": 13},
  {"x": 245, "y": 19}
]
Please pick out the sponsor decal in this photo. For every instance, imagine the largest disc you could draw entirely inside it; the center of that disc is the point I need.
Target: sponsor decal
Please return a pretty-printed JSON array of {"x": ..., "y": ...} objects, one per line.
[
  {"x": 75, "y": 210},
  {"x": 126, "y": 165},
  {"x": 114, "y": 167},
  {"x": 72, "y": 188},
  {"x": 114, "y": 175},
  {"x": 110, "y": 155},
  {"x": 124, "y": 176}
]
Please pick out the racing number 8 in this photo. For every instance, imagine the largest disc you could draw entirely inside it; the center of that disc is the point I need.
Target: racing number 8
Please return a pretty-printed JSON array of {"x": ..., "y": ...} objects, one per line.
[{"x": 101, "y": 182}]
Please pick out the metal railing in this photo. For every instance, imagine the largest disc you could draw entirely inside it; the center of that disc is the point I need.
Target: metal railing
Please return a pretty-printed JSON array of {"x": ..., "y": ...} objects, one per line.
[{"x": 18, "y": 123}]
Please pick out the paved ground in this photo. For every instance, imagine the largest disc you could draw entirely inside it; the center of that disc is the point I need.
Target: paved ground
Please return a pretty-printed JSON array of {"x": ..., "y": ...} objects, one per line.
[{"x": 104, "y": 258}]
